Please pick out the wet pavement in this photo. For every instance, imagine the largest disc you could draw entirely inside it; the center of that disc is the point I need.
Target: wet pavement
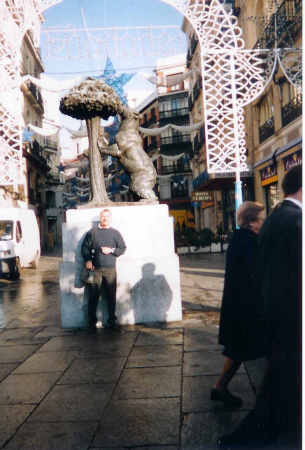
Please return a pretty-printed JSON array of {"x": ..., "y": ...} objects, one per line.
[{"x": 144, "y": 387}]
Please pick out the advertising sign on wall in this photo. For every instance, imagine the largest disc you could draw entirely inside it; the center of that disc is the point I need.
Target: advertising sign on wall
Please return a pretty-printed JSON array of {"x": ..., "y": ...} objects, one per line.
[{"x": 292, "y": 160}]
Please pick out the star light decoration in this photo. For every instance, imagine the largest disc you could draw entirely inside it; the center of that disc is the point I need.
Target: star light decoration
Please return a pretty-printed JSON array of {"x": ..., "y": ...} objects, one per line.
[
  {"x": 117, "y": 82},
  {"x": 226, "y": 69}
]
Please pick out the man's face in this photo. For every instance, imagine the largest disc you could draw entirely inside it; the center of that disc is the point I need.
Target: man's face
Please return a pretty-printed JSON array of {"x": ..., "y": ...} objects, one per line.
[{"x": 105, "y": 219}]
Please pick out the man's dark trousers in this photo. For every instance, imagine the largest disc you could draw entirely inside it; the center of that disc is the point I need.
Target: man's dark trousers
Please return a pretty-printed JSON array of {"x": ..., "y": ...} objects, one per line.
[{"x": 104, "y": 282}]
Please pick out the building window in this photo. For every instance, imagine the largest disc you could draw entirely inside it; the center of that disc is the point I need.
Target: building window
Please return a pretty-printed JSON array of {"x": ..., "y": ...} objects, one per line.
[
  {"x": 172, "y": 79},
  {"x": 50, "y": 199},
  {"x": 266, "y": 120},
  {"x": 291, "y": 103}
]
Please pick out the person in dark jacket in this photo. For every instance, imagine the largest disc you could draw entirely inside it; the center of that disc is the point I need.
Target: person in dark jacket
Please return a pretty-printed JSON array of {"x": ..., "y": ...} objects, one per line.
[
  {"x": 240, "y": 309},
  {"x": 100, "y": 248},
  {"x": 275, "y": 421}
]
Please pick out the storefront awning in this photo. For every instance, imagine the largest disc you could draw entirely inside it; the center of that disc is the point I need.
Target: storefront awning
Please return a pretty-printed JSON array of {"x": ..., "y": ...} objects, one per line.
[
  {"x": 222, "y": 181},
  {"x": 294, "y": 143}
]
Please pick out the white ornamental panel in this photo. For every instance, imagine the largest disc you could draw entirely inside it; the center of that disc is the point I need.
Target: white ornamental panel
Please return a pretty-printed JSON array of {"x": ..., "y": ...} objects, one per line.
[{"x": 231, "y": 77}]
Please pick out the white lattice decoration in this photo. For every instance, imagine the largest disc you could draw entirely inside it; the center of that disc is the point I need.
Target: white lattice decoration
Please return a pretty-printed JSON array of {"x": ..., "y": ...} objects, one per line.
[
  {"x": 231, "y": 78},
  {"x": 16, "y": 18},
  {"x": 45, "y": 4},
  {"x": 10, "y": 143},
  {"x": 290, "y": 60}
]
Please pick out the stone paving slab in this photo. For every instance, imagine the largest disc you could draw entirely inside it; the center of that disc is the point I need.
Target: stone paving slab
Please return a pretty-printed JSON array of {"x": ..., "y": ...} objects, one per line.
[
  {"x": 6, "y": 369},
  {"x": 20, "y": 336},
  {"x": 201, "y": 431},
  {"x": 141, "y": 422},
  {"x": 11, "y": 418},
  {"x": 46, "y": 362},
  {"x": 151, "y": 356},
  {"x": 106, "y": 342},
  {"x": 50, "y": 332},
  {"x": 54, "y": 436},
  {"x": 93, "y": 370},
  {"x": 160, "y": 337},
  {"x": 29, "y": 388},
  {"x": 197, "y": 391},
  {"x": 84, "y": 402},
  {"x": 201, "y": 338},
  {"x": 146, "y": 387},
  {"x": 16, "y": 353},
  {"x": 149, "y": 383},
  {"x": 209, "y": 362}
]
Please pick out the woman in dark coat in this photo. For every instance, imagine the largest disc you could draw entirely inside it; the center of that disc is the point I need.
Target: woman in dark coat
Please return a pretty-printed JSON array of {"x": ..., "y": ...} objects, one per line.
[{"x": 239, "y": 329}]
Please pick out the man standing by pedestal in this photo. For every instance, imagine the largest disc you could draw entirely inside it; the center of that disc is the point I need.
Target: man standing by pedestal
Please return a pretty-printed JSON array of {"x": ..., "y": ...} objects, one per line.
[{"x": 100, "y": 248}]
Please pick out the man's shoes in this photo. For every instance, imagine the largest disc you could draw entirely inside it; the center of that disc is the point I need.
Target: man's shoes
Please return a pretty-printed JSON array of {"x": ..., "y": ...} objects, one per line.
[
  {"x": 224, "y": 396},
  {"x": 112, "y": 326},
  {"x": 92, "y": 329}
]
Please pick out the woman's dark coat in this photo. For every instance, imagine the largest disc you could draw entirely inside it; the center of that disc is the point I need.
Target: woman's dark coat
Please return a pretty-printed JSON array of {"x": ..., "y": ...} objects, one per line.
[{"x": 241, "y": 328}]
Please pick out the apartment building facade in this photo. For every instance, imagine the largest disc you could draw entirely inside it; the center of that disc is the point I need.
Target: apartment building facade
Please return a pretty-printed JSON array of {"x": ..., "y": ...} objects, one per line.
[
  {"x": 274, "y": 121},
  {"x": 171, "y": 149}
]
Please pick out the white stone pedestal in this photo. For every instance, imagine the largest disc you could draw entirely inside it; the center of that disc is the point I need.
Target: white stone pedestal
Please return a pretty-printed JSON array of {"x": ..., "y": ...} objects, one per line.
[{"x": 148, "y": 288}]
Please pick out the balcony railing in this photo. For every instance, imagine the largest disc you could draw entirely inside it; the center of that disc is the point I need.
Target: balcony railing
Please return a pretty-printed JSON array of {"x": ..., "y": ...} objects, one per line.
[
  {"x": 197, "y": 89},
  {"x": 35, "y": 150},
  {"x": 191, "y": 101},
  {"x": 200, "y": 180},
  {"x": 49, "y": 143},
  {"x": 176, "y": 139},
  {"x": 266, "y": 130},
  {"x": 152, "y": 120},
  {"x": 199, "y": 140},
  {"x": 283, "y": 27},
  {"x": 152, "y": 145},
  {"x": 175, "y": 169},
  {"x": 174, "y": 113},
  {"x": 35, "y": 92},
  {"x": 192, "y": 48},
  {"x": 292, "y": 110}
]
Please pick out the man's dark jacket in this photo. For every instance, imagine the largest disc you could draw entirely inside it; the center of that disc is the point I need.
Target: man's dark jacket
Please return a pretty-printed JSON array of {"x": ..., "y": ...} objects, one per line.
[
  {"x": 280, "y": 243},
  {"x": 102, "y": 237}
]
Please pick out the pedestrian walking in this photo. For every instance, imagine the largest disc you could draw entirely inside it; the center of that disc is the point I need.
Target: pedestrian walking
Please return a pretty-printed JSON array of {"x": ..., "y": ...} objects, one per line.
[
  {"x": 239, "y": 330},
  {"x": 101, "y": 247},
  {"x": 275, "y": 422}
]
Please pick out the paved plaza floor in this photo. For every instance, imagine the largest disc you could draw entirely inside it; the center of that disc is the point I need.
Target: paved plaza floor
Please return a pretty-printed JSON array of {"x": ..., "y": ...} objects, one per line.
[{"x": 144, "y": 387}]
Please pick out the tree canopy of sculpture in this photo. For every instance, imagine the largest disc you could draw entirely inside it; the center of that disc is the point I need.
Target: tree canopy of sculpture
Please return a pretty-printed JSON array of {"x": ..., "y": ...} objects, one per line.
[{"x": 92, "y": 100}]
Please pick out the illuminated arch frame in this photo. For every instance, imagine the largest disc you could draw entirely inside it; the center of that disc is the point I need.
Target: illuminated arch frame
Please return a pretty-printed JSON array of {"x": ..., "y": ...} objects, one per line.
[{"x": 226, "y": 70}]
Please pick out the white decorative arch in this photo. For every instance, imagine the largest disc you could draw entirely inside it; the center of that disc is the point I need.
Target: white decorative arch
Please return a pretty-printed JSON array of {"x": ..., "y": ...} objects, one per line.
[{"x": 232, "y": 77}]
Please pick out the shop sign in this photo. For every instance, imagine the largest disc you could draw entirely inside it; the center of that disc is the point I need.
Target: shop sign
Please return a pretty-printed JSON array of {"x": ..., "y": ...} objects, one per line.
[
  {"x": 243, "y": 174},
  {"x": 269, "y": 175},
  {"x": 293, "y": 159},
  {"x": 202, "y": 196}
]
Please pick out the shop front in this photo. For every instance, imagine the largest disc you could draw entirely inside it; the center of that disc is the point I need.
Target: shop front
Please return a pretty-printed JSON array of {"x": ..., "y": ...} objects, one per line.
[
  {"x": 221, "y": 189},
  {"x": 269, "y": 183},
  {"x": 272, "y": 171},
  {"x": 293, "y": 159}
]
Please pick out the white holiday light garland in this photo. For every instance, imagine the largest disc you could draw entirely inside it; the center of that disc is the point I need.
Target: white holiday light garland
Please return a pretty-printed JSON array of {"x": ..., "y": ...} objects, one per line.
[{"x": 232, "y": 77}]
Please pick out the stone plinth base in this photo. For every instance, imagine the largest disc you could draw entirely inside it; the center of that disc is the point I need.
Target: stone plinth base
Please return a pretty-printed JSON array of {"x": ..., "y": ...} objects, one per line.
[{"x": 148, "y": 273}]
